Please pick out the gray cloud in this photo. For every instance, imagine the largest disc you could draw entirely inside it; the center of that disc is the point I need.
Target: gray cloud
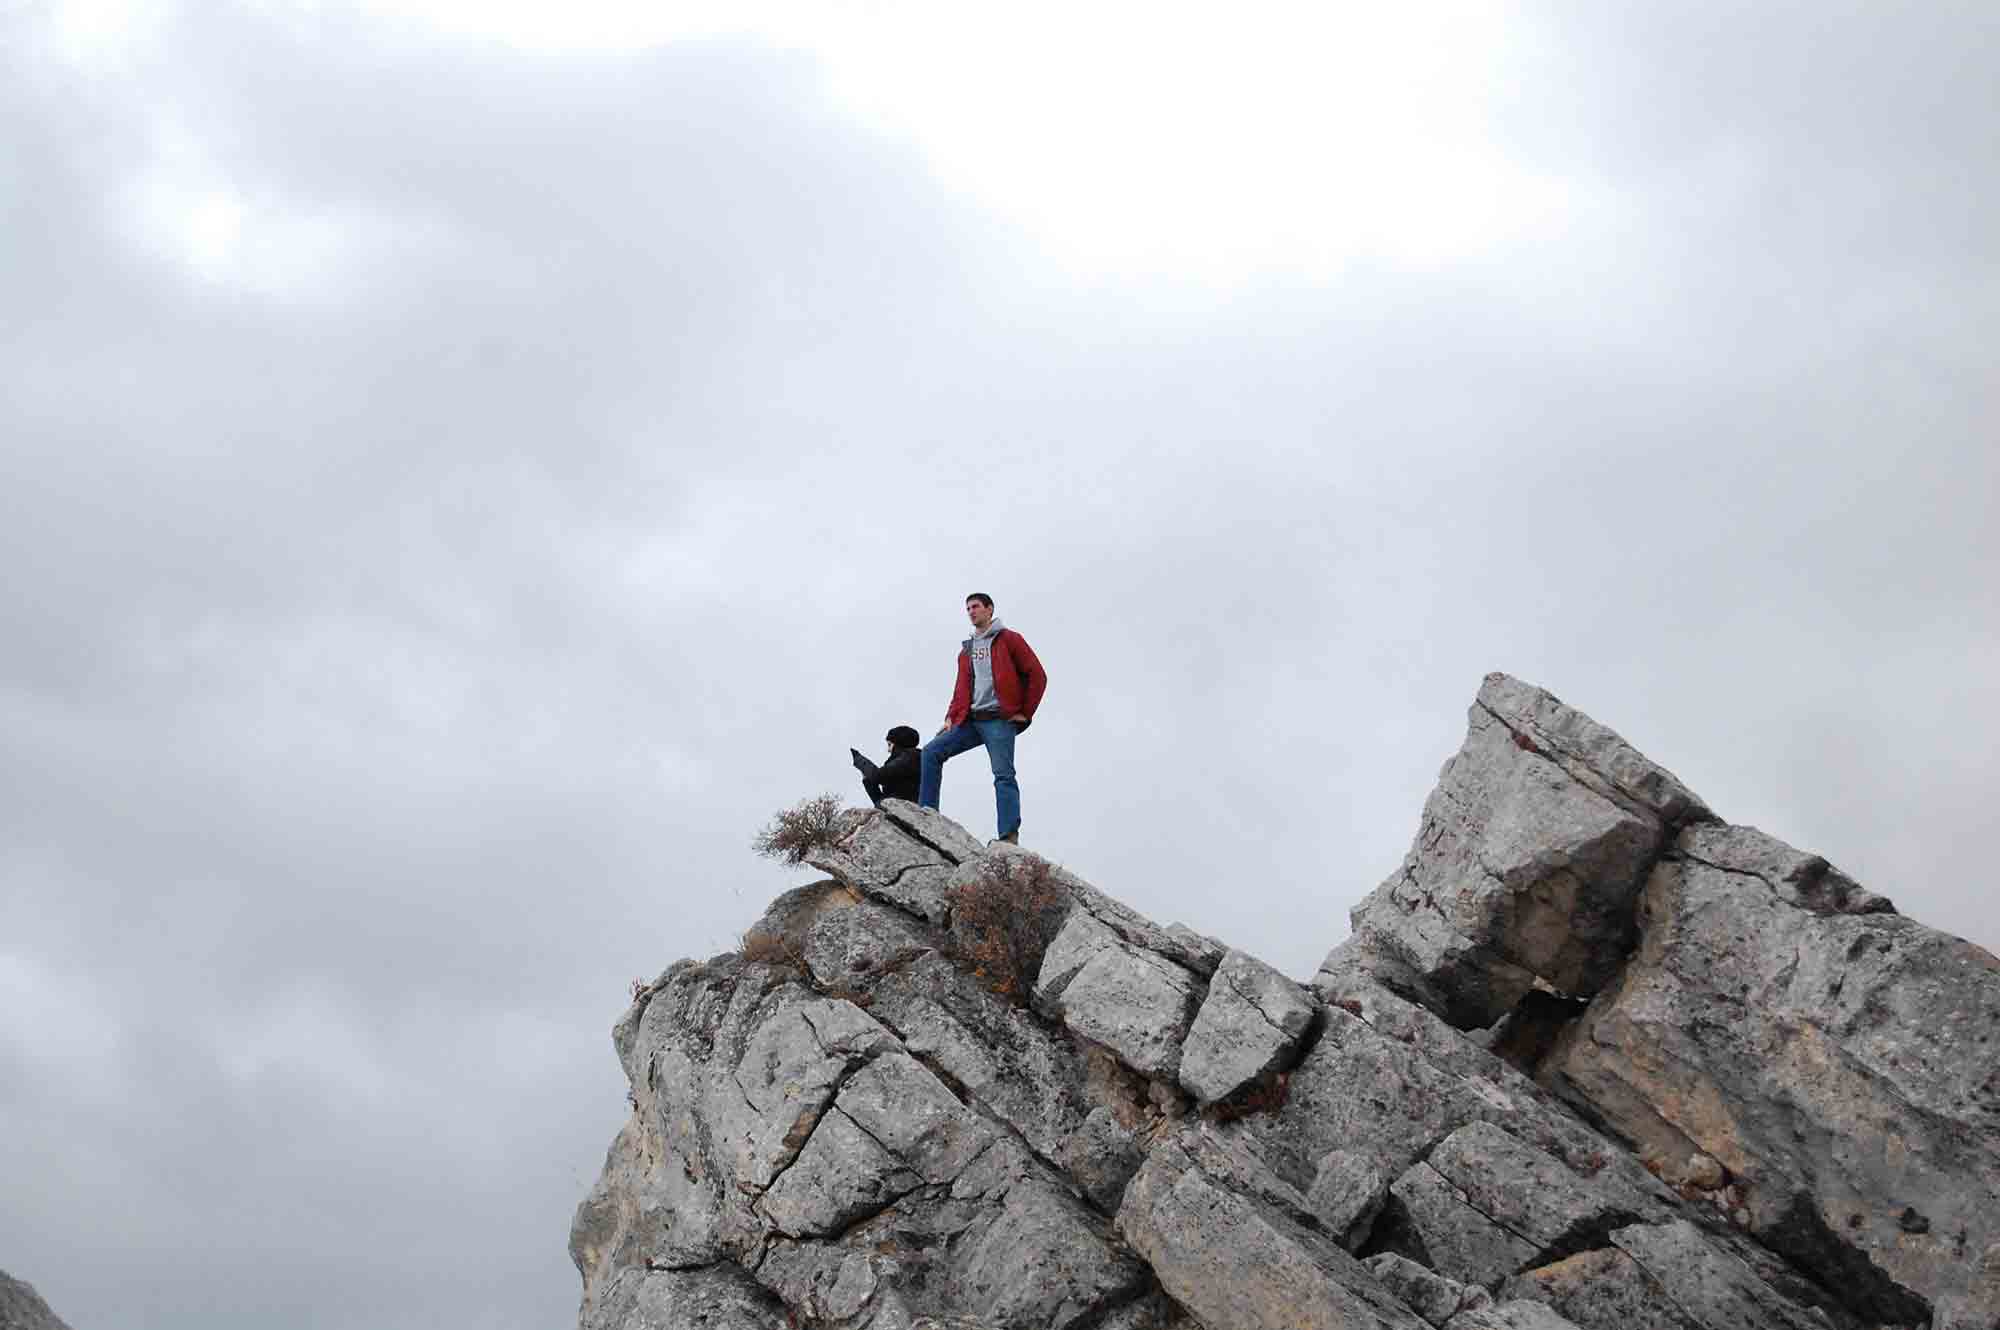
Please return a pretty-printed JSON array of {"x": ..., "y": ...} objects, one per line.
[{"x": 398, "y": 663}]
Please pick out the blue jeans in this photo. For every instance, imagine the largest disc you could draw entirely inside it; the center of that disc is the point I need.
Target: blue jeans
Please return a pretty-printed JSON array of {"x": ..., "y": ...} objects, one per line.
[{"x": 998, "y": 736}]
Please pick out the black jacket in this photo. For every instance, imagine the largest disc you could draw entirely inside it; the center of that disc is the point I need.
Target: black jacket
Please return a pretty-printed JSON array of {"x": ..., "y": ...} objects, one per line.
[{"x": 895, "y": 779}]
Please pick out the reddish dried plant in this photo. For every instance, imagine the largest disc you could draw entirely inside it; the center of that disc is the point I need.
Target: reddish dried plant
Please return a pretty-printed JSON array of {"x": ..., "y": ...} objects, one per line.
[{"x": 1004, "y": 918}]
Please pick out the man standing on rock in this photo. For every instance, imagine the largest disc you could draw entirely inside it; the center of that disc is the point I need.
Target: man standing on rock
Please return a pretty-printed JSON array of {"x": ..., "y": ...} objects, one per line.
[{"x": 1000, "y": 683}]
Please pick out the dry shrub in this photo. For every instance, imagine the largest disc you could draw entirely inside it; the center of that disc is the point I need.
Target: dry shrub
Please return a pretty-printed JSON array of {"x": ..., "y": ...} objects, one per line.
[
  {"x": 779, "y": 938},
  {"x": 1109, "y": 1082},
  {"x": 1003, "y": 920},
  {"x": 793, "y": 833},
  {"x": 770, "y": 949}
]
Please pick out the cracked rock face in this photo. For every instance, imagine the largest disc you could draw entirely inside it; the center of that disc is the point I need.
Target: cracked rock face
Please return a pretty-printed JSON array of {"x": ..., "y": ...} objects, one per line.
[
  {"x": 1251, "y": 1024},
  {"x": 1592, "y": 1059}
]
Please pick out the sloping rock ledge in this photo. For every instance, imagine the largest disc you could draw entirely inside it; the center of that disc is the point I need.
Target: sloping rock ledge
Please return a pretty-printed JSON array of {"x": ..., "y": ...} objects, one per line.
[{"x": 1591, "y": 1057}]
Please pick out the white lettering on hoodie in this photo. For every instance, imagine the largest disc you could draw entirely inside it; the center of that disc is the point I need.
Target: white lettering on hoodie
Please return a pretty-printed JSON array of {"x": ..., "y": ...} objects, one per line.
[{"x": 984, "y": 698}]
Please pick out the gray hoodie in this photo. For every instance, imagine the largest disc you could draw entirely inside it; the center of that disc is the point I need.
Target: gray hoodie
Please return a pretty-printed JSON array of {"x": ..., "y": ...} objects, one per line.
[{"x": 980, "y": 648}]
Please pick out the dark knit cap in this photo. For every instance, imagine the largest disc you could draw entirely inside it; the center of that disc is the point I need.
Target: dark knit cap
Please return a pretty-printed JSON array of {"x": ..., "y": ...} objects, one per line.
[{"x": 903, "y": 737}]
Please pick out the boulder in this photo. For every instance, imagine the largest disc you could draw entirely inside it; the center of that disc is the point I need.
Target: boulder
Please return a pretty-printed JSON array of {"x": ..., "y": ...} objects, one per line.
[
  {"x": 1454, "y": 1236},
  {"x": 1251, "y": 1024},
  {"x": 718, "y": 1297},
  {"x": 1537, "y": 837},
  {"x": 1135, "y": 1002}
]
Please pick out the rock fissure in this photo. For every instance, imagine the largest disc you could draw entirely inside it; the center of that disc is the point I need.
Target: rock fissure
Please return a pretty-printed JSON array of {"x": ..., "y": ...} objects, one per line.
[
  {"x": 1660, "y": 1289},
  {"x": 1589, "y": 1234},
  {"x": 670, "y": 1263},
  {"x": 1549, "y": 751},
  {"x": 978, "y": 1104},
  {"x": 828, "y": 1103},
  {"x": 910, "y": 831},
  {"x": 1250, "y": 1000},
  {"x": 1096, "y": 1318},
  {"x": 1688, "y": 856},
  {"x": 881, "y": 1144}
]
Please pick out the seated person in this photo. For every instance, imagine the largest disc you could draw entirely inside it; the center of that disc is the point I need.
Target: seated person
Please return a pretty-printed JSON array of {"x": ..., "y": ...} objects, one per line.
[{"x": 897, "y": 777}]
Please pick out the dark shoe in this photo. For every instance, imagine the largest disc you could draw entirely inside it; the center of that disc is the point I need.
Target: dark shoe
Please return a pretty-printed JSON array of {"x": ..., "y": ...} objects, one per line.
[{"x": 1013, "y": 837}]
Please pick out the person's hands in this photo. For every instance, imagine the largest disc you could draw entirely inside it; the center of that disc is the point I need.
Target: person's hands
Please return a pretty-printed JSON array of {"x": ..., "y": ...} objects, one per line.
[
  {"x": 1018, "y": 719},
  {"x": 943, "y": 730}
]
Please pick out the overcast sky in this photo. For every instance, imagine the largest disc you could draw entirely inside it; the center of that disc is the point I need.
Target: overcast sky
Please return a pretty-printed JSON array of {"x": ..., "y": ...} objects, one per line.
[{"x": 465, "y": 465}]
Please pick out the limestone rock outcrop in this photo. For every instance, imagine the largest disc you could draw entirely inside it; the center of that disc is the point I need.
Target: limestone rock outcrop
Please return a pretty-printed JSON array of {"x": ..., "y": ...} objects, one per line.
[
  {"x": 21, "y": 1308},
  {"x": 1590, "y": 1058}
]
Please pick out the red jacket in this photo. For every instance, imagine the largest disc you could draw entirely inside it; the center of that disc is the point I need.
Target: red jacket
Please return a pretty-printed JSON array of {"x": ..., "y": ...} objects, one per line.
[{"x": 1018, "y": 678}]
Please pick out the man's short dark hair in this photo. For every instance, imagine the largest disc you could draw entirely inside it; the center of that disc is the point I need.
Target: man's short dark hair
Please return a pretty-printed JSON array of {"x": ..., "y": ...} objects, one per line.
[{"x": 982, "y": 598}]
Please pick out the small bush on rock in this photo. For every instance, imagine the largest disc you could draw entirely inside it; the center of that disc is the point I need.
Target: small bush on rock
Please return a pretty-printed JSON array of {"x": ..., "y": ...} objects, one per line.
[
  {"x": 770, "y": 949},
  {"x": 795, "y": 832},
  {"x": 1004, "y": 919},
  {"x": 779, "y": 938}
]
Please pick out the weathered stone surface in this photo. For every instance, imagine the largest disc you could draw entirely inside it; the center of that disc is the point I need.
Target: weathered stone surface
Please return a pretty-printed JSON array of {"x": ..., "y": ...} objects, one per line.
[
  {"x": 1380, "y": 1089},
  {"x": 1250, "y": 1024},
  {"x": 1602, "y": 1289},
  {"x": 1000, "y": 1246},
  {"x": 1533, "y": 1194},
  {"x": 833, "y": 1283},
  {"x": 849, "y": 948},
  {"x": 934, "y": 829},
  {"x": 856, "y": 1126},
  {"x": 1154, "y": 1311},
  {"x": 720, "y": 1297},
  {"x": 1014, "y": 1067},
  {"x": 842, "y": 1175},
  {"x": 780, "y": 936},
  {"x": 1831, "y": 1062},
  {"x": 1425, "y": 1292},
  {"x": 1102, "y": 1157},
  {"x": 1134, "y": 1002},
  {"x": 1197, "y": 951},
  {"x": 1794, "y": 877},
  {"x": 905, "y": 1108},
  {"x": 1714, "y": 1289},
  {"x": 1042, "y": 1261},
  {"x": 1531, "y": 849},
  {"x": 1345, "y": 1195},
  {"x": 1081, "y": 940},
  {"x": 1510, "y": 1316},
  {"x": 792, "y": 1063},
  {"x": 1440, "y": 1224},
  {"x": 1240, "y": 1261},
  {"x": 882, "y": 860},
  {"x": 668, "y": 1193},
  {"x": 21, "y": 1308}
]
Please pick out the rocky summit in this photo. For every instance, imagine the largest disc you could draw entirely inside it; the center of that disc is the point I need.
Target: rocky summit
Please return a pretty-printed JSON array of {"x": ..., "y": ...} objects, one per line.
[{"x": 1590, "y": 1057}]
